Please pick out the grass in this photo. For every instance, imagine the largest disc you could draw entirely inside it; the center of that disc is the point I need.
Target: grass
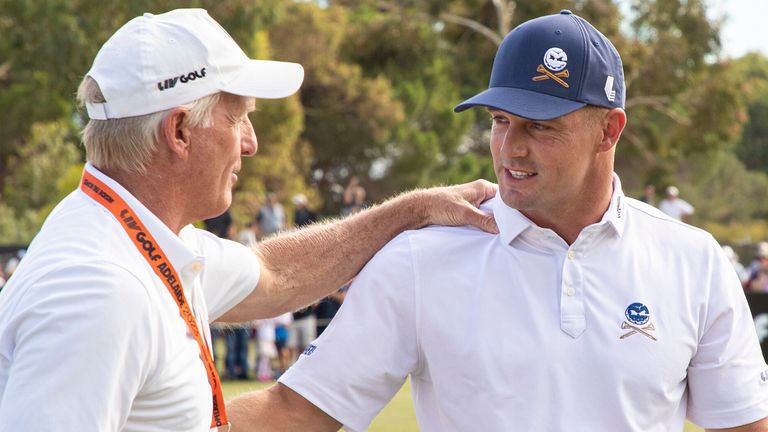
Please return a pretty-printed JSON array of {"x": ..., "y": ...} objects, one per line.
[{"x": 397, "y": 416}]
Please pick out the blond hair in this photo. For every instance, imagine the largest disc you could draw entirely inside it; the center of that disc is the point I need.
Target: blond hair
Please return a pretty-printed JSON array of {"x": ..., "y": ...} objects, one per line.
[{"x": 129, "y": 143}]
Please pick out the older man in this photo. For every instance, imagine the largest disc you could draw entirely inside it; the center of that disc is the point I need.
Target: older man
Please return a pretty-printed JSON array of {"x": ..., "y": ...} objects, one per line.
[
  {"x": 104, "y": 327},
  {"x": 590, "y": 311}
]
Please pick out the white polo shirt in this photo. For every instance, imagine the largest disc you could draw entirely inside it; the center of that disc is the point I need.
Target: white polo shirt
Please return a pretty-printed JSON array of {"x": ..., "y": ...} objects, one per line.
[
  {"x": 639, "y": 323},
  {"x": 90, "y": 338}
]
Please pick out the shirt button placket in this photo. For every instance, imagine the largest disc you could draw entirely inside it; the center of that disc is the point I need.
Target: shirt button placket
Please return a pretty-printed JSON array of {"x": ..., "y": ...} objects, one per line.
[{"x": 572, "y": 317}]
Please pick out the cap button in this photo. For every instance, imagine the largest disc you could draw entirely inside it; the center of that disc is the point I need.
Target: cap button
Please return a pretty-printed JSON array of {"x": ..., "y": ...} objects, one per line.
[{"x": 565, "y": 12}]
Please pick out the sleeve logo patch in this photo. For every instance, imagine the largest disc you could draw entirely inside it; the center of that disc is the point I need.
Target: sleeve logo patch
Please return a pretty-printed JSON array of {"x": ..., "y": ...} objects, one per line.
[{"x": 309, "y": 349}]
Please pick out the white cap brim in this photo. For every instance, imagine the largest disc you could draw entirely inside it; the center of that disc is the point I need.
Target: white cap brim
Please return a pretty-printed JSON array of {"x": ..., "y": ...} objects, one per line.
[{"x": 266, "y": 79}]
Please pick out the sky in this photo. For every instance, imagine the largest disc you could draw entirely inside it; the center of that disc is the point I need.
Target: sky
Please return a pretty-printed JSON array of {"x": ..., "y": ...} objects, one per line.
[{"x": 744, "y": 27}]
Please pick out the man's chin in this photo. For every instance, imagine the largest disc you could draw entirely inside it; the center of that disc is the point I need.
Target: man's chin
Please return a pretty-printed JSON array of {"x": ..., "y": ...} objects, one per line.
[{"x": 514, "y": 201}]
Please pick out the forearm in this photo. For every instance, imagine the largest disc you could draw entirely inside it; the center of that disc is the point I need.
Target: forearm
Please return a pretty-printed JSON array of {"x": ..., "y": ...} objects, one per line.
[
  {"x": 277, "y": 409},
  {"x": 302, "y": 266}
]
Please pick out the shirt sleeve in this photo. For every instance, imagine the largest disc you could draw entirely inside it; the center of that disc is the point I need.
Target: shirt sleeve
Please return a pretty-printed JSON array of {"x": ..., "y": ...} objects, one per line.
[
  {"x": 83, "y": 347},
  {"x": 231, "y": 273},
  {"x": 727, "y": 377},
  {"x": 363, "y": 358}
]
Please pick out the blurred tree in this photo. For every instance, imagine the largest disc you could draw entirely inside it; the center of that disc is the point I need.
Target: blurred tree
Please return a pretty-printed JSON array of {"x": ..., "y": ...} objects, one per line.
[
  {"x": 45, "y": 50},
  {"x": 427, "y": 142},
  {"x": 681, "y": 101},
  {"x": 41, "y": 53},
  {"x": 349, "y": 116},
  {"x": 674, "y": 81},
  {"x": 381, "y": 79},
  {"x": 751, "y": 72},
  {"x": 40, "y": 165},
  {"x": 723, "y": 190}
]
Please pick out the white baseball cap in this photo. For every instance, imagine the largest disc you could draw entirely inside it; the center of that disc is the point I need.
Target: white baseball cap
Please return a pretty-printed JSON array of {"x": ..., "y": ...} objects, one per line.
[
  {"x": 300, "y": 199},
  {"x": 157, "y": 62},
  {"x": 673, "y": 191}
]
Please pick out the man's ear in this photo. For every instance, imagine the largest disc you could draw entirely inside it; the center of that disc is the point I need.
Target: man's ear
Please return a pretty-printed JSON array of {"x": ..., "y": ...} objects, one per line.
[
  {"x": 175, "y": 133},
  {"x": 613, "y": 125}
]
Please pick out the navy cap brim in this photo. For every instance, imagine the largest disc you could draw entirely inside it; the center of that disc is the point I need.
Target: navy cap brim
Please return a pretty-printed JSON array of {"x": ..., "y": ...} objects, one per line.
[{"x": 522, "y": 103}]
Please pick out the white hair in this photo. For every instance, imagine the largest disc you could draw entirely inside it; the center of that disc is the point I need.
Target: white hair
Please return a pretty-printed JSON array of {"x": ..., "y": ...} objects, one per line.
[{"x": 129, "y": 143}]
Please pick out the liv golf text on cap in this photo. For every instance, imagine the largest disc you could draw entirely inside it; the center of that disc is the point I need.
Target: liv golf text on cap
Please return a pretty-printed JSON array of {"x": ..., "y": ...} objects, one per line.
[
  {"x": 551, "y": 66},
  {"x": 157, "y": 62}
]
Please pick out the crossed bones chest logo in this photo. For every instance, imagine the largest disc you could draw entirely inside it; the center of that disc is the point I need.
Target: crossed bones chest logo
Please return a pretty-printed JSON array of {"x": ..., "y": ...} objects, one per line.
[
  {"x": 555, "y": 61},
  {"x": 638, "y": 317}
]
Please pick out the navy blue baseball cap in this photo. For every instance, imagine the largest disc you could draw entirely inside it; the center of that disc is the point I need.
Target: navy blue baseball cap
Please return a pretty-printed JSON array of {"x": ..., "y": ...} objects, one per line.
[{"x": 551, "y": 66}]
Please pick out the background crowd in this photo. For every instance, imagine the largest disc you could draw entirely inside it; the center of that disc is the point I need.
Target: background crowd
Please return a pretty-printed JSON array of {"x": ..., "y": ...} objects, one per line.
[
  {"x": 378, "y": 107},
  {"x": 753, "y": 276},
  {"x": 264, "y": 349}
]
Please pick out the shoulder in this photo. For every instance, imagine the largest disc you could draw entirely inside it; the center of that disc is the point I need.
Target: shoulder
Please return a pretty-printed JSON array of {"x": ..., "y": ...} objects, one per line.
[
  {"x": 433, "y": 243},
  {"x": 437, "y": 236},
  {"x": 80, "y": 253},
  {"x": 653, "y": 226}
]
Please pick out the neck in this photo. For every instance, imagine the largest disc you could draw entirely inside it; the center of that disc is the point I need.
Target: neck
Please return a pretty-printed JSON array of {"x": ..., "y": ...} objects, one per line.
[
  {"x": 569, "y": 221},
  {"x": 160, "y": 196}
]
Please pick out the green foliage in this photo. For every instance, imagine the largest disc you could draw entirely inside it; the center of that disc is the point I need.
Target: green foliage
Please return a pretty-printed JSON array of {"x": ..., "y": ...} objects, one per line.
[
  {"x": 426, "y": 144},
  {"x": 381, "y": 80},
  {"x": 679, "y": 103},
  {"x": 752, "y": 72},
  {"x": 41, "y": 166},
  {"x": 723, "y": 190}
]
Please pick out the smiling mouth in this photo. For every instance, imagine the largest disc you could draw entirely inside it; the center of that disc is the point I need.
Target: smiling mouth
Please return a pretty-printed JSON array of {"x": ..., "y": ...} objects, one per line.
[{"x": 520, "y": 175}]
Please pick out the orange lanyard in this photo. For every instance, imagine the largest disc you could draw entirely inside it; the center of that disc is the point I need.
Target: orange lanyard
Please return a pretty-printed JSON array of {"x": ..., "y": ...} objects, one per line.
[{"x": 163, "y": 268}]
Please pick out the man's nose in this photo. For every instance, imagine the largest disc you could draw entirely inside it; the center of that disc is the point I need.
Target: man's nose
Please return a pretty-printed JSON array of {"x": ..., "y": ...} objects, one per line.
[
  {"x": 514, "y": 144},
  {"x": 248, "y": 143}
]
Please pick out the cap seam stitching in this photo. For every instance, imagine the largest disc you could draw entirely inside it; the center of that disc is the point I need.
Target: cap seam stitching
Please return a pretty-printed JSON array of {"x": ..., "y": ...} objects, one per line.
[{"x": 585, "y": 65}]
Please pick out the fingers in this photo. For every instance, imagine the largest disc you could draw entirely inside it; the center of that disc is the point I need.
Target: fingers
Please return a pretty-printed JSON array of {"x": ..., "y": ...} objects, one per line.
[
  {"x": 477, "y": 191},
  {"x": 487, "y": 189},
  {"x": 462, "y": 206},
  {"x": 482, "y": 220}
]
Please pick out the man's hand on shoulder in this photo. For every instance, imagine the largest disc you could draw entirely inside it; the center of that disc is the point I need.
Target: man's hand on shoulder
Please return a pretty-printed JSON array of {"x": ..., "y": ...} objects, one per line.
[{"x": 458, "y": 205}]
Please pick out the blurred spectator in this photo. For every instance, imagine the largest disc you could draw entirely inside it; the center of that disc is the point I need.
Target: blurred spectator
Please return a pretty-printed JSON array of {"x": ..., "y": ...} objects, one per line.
[
  {"x": 221, "y": 226},
  {"x": 238, "y": 337},
  {"x": 282, "y": 334},
  {"x": 218, "y": 330},
  {"x": 302, "y": 215},
  {"x": 757, "y": 281},
  {"x": 733, "y": 257},
  {"x": 303, "y": 327},
  {"x": 10, "y": 266},
  {"x": 674, "y": 206},
  {"x": 349, "y": 193},
  {"x": 237, "y": 351},
  {"x": 649, "y": 195},
  {"x": 303, "y": 330},
  {"x": 358, "y": 202},
  {"x": 327, "y": 308},
  {"x": 271, "y": 216},
  {"x": 249, "y": 236}
]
